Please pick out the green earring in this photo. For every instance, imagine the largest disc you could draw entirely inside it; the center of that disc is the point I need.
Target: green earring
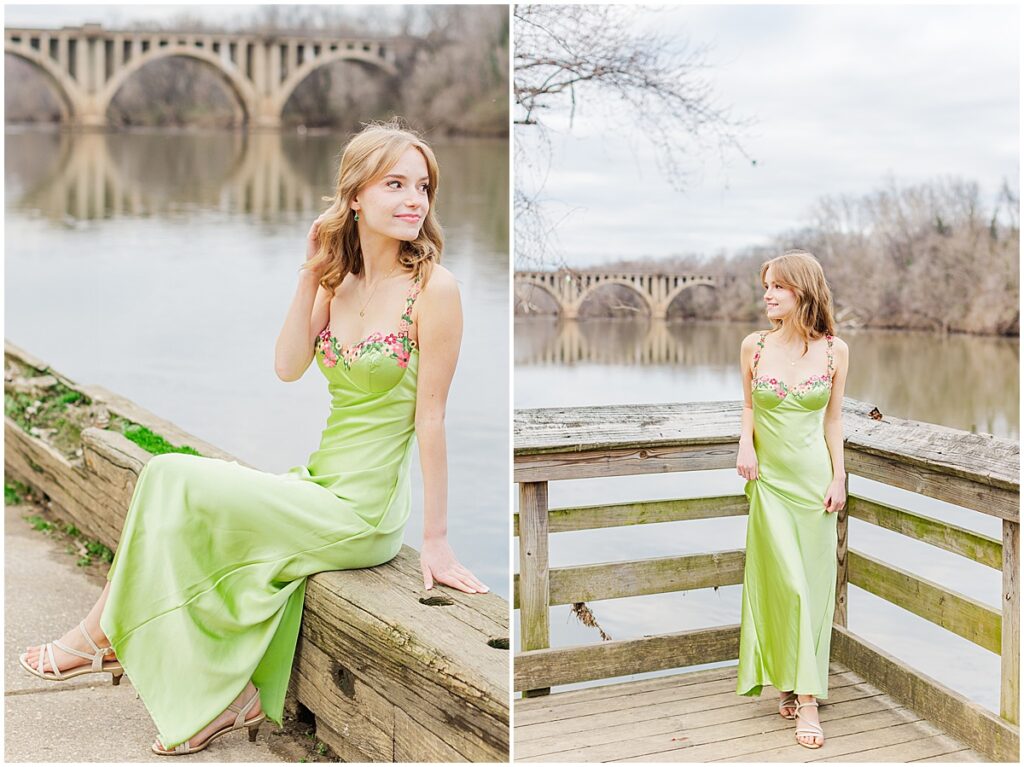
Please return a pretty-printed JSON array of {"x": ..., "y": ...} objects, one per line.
[{"x": 357, "y": 215}]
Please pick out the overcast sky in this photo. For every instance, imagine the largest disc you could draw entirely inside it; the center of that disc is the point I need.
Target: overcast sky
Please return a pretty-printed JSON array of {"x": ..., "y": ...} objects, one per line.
[
  {"x": 840, "y": 96},
  {"x": 111, "y": 15},
  {"x": 114, "y": 16}
]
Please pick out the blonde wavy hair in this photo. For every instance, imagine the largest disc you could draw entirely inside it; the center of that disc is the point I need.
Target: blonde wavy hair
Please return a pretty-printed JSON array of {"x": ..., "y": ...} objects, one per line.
[
  {"x": 366, "y": 158},
  {"x": 801, "y": 272}
]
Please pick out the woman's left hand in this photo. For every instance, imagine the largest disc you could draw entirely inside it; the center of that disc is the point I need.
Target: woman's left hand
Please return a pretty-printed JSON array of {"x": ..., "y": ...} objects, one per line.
[
  {"x": 439, "y": 565},
  {"x": 835, "y": 498}
]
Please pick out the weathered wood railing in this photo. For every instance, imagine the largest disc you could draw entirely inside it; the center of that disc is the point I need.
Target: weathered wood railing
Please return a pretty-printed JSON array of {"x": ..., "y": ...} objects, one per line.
[
  {"x": 975, "y": 471},
  {"x": 391, "y": 672}
]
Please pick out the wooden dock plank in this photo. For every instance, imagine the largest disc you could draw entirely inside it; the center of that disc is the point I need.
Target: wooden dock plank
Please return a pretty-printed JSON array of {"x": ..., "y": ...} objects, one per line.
[
  {"x": 845, "y": 735},
  {"x": 697, "y": 717},
  {"x": 701, "y": 734},
  {"x": 964, "y": 755},
  {"x": 597, "y": 714},
  {"x": 691, "y": 702},
  {"x": 934, "y": 746}
]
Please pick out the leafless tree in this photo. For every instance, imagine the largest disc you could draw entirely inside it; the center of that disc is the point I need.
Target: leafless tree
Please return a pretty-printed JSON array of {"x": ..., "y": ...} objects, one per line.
[
  {"x": 564, "y": 53},
  {"x": 928, "y": 256}
]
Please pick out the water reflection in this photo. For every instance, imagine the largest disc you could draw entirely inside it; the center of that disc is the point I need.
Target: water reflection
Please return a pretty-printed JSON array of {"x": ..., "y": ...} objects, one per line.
[
  {"x": 965, "y": 382},
  {"x": 72, "y": 177}
]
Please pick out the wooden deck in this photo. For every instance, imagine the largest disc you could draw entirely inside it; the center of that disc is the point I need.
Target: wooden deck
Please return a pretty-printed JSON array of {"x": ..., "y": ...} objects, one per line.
[{"x": 697, "y": 717}]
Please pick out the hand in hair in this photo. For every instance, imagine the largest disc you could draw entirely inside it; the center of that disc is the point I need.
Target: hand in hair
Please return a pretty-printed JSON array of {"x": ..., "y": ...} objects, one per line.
[{"x": 313, "y": 245}]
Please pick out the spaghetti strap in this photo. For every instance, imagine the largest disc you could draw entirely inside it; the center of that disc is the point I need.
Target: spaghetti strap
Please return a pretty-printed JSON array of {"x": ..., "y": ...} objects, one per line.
[
  {"x": 757, "y": 354},
  {"x": 410, "y": 298},
  {"x": 828, "y": 352}
]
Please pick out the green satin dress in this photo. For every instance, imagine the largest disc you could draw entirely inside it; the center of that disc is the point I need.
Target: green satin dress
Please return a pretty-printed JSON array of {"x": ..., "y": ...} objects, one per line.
[
  {"x": 208, "y": 581},
  {"x": 789, "y": 579}
]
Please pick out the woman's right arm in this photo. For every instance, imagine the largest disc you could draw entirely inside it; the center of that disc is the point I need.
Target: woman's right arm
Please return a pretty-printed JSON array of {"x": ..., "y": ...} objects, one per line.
[
  {"x": 746, "y": 458},
  {"x": 307, "y": 316}
]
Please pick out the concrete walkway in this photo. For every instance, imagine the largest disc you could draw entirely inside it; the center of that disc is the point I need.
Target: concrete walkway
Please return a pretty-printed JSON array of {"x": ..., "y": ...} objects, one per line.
[{"x": 85, "y": 719}]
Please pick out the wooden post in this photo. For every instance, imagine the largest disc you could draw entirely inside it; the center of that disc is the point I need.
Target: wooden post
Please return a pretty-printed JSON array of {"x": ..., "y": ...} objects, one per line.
[
  {"x": 842, "y": 570},
  {"x": 534, "y": 588},
  {"x": 1009, "y": 652}
]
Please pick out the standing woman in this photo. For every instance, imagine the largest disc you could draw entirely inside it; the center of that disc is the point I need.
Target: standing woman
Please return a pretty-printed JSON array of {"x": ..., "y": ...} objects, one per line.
[
  {"x": 204, "y": 598},
  {"x": 791, "y": 454}
]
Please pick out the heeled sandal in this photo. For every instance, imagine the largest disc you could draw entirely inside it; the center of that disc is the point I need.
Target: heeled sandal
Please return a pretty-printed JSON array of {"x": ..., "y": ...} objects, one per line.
[
  {"x": 809, "y": 728},
  {"x": 240, "y": 721},
  {"x": 56, "y": 675},
  {"x": 787, "y": 701}
]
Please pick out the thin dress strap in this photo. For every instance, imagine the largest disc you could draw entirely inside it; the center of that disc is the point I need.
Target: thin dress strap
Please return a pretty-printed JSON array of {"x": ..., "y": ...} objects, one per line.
[
  {"x": 757, "y": 354},
  {"x": 828, "y": 352},
  {"x": 405, "y": 324}
]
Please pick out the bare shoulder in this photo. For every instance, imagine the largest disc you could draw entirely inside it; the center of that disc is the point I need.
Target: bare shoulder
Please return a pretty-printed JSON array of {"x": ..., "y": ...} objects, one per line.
[
  {"x": 839, "y": 345},
  {"x": 441, "y": 283},
  {"x": 440, "y": 296}
]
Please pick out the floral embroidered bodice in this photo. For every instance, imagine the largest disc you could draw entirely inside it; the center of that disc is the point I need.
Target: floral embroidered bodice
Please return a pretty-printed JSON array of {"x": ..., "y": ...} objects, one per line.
[
  {"x": 397, "y": 345},
  {"x": 814, "y": 383}
]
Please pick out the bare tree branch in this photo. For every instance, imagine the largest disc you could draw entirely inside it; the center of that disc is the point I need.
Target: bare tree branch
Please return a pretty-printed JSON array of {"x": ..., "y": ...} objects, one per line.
[{"x": 564, "y": 53}]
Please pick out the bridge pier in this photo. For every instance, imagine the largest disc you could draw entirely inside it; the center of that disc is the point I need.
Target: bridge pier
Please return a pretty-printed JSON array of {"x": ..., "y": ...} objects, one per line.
[{"x": 87, "y": 115}]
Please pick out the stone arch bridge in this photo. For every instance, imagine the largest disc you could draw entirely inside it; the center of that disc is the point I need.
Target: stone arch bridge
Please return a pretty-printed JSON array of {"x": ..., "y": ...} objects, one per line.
[
  {"x": 88, "y": 64},
  {"x": 570, "y": 288}
]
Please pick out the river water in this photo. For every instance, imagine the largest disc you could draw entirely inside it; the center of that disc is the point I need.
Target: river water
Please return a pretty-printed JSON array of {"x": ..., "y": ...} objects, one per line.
[
  {"x": 161, "y": 265},
  {"x": 963, "y": 382}
]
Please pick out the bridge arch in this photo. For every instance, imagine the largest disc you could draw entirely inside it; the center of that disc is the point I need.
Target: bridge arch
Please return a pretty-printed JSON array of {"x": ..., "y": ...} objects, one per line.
[
  {"x": 231, "y": 77},
  {"x": 364, "y": 54},
  {"x": 688, "y": 285},
  {"x": 542, "y": 285},
  {"x": 68, "y": 96},
  {"x": 594, "y": 287}
]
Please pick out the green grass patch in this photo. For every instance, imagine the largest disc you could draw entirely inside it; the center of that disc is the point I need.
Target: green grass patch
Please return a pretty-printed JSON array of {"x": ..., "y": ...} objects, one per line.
[
  {"x": 99, "y": 551},
  {"x": 148, "y": 440},
  {"x": 38, "y": 523},
  {"x": 89, "y": 552},
  {"x": 57, "y": 408},
  {"x": 15, "y": 492}
]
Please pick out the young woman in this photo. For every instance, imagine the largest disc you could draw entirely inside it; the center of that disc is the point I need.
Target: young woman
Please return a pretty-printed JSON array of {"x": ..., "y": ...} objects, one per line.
[
  {"x": 791, "y": 454},
  {"x": 205, "y": 593}
]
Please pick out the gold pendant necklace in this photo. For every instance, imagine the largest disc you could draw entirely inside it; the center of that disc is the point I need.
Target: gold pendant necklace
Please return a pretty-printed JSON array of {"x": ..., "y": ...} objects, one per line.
[{"x": 362, "y": 312}]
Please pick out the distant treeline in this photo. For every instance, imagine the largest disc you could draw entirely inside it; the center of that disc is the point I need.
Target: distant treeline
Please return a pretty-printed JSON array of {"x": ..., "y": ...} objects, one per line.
[
  {"x": 452, "y": 74},
  {"x": 932, "y": 256}
]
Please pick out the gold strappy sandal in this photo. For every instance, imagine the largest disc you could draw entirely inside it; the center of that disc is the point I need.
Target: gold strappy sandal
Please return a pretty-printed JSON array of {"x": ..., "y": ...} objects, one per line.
[
  {"x": 787, "y": 701},
  {"x": 809, "y": 728},
  {"x": 240, "y": 721},
  {"x": 56, "y": 675}
]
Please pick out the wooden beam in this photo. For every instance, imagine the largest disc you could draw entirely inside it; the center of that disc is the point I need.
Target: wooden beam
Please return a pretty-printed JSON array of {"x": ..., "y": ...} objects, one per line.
[
  {"x": 962, "y": 718},
  {"x": 935, "y": 482},
  {"x": 567, "y": 519},
  {"x": 967, "y": 617},
  {"x": 617, "y": 462},
  {"x": 581, "y": 663},
  {"x": 967, "y": 543},
  {"x": 655, "y": 575},
  {"x": 533, "y": 570},
  {"x": 1009, "y": 689}
]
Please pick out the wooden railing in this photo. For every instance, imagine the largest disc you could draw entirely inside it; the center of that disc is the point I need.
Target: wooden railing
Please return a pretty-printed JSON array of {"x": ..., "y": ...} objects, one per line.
[
  {"x": 976, "y": 471},
  {"x": 389, "y": 671}
]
